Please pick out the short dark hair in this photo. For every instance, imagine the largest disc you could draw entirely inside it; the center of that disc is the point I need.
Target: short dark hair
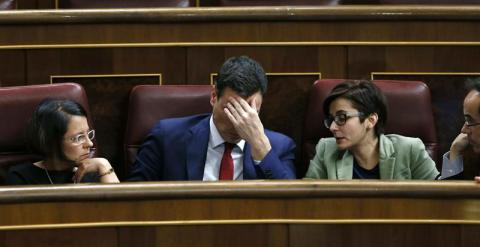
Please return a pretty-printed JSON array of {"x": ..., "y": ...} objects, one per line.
[
  {"x": 365, "y": 96},
  {"x": 243, "y": 75},
  {"x": 473, "y": 84},
  {"x": 48, "y": 125}
]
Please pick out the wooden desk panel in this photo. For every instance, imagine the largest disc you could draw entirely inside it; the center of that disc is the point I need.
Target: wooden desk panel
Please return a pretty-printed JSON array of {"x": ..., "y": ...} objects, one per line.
[
  {"x": 237, "y": 202},
  {"x": 286, "y": 213}
]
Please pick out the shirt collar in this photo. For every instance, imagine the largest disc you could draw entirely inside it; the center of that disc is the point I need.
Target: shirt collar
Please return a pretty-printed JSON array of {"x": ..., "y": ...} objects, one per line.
[{"x": 217, "y": 140}]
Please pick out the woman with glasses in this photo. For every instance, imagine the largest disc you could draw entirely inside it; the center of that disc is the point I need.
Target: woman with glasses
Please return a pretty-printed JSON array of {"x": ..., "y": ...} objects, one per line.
[
  {"x": 60, "y": 134},
  {"x": 356, "y": 112}
]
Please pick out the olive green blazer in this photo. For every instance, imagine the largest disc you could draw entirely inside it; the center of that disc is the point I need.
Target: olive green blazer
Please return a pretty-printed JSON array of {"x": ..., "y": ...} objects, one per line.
[{"x": 400, "y": 158}]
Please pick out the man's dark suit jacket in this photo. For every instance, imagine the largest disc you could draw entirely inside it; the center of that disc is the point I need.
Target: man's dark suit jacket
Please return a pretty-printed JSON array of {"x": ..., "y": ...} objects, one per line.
[{"x": 176, "y": 149}]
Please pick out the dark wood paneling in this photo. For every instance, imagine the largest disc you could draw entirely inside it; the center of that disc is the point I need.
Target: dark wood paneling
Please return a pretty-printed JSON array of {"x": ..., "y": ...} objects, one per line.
[
  {"x": 36, "y": 4},
  {"x": 12, "y": 70},
  {"x": 202, "y": 61},
  {"x": 222, "y": 235},
  {"x": 469, "y": 235},
  {"x": 329, "y": 60},
  {"x": 378, "y": 235},
  {"x": 169, "y": 62},
  {"x": 254, "y": 31},
  {"x": 103, "y": 237},
  {"x": 251, "y": 235},
  {"x": 362, "y": 60},
  {"x": 27, "y": 4},
  {"x": 46, "y": 4},
  {"x": 138, "y": 236}
]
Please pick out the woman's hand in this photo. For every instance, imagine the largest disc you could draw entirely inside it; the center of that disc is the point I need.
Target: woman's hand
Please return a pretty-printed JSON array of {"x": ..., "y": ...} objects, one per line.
[{"x": 101, "y": 166}]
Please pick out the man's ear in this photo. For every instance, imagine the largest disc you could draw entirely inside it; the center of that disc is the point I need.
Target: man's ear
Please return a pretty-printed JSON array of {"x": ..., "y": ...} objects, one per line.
[{"x": 213, "y": 97}]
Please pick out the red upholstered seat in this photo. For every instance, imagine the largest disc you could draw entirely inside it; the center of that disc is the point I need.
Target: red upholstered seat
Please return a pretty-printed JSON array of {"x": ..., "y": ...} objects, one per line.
[
  {"x": 16, "y": 107},
  {"x": 409, "y": 113},
  {"x": 148, "y": 104},
  {"x": 96, "y": 4}
]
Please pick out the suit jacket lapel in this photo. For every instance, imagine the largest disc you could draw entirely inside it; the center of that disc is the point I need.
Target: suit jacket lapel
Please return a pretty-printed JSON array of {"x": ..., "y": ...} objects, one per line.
[
  {"x": 344, "y": 165},
  {"x": 248, "y": 166},
  {"x": 387, "y": 160},
  {"x": 196, "y": 149}
]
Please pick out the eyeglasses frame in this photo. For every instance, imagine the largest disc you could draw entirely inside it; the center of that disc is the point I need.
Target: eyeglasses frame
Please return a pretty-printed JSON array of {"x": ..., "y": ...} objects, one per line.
[
  {"x": 335, "y": 119},
  {"x": 75, "y": 138}
]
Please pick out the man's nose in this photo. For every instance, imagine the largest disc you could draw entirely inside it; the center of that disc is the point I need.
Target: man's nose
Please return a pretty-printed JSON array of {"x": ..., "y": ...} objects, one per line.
[{"x": 465, "y": 128}]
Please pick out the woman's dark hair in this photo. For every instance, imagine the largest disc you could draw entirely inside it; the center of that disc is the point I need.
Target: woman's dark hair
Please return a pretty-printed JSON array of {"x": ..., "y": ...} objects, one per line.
[
  {"x": 48, "y": 125},
  {"x": 365, "y": 96}
]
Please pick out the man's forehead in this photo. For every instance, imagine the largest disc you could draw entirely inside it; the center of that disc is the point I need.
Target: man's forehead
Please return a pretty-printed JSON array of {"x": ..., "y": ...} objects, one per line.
[
  {"x": 473, "y": 97},
  {"x": 471, "y": 104},
  {"x": 231, "y": 92}
]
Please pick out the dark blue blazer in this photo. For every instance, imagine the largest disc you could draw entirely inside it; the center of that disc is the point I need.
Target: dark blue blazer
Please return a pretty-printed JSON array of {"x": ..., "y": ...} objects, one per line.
[{"x": 176, "y": 149}]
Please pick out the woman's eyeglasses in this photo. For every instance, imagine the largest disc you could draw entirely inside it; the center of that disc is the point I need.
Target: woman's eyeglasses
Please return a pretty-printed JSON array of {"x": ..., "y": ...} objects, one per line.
[
  {"x": 82, "y": 138},
  {"x": 340, "y": 118}
]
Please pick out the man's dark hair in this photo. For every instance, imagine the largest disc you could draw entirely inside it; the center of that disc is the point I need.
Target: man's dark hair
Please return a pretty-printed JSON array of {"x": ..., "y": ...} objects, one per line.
[
  {"x": 365, "y": 96},
  {"x": 473, "y": 84},
  {"x": 243, "y": 75},
  {"x": 48, "y": 125}
]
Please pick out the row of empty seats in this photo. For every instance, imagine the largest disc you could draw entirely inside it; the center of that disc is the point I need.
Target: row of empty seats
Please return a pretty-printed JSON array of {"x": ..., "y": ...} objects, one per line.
[
  {"x": 18, "y": 103},
  {"x": 89, "y": 4}
]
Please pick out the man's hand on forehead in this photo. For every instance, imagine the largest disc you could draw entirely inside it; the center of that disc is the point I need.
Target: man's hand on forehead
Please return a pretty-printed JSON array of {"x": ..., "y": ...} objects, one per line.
[{"x": 245, "y": 119}]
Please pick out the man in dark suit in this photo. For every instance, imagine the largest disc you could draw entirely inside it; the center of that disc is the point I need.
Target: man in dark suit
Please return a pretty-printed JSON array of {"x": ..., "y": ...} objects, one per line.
[
  {"x": 452, "y": 167},
  {"x": 230, "y": 143}
]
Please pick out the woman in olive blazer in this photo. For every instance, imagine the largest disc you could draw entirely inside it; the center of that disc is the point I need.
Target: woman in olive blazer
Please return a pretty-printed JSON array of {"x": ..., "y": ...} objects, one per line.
[{"x": 356, "y": 114}]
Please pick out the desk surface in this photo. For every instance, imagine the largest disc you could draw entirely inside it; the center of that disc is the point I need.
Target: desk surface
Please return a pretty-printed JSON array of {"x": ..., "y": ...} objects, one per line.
[
  {"x": 242, "y": 189},
  {"x": 280, "y": 13},
  {"x": 286, "y": 202}
]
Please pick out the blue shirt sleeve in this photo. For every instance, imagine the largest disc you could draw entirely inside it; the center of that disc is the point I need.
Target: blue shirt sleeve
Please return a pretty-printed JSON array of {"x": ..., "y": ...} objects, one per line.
[{"x": 451, "y": 167}]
